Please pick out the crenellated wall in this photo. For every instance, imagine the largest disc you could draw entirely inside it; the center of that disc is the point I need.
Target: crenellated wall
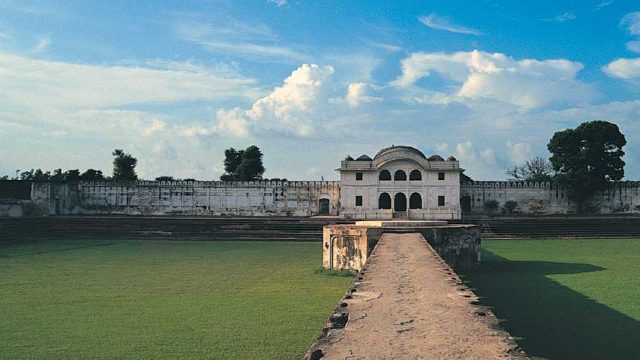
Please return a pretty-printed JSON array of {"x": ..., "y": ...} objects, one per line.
[
  {"x": 259, "y": 198},
  {"x": 290, "y": 198},
  {"x": 546, "y": 198}
]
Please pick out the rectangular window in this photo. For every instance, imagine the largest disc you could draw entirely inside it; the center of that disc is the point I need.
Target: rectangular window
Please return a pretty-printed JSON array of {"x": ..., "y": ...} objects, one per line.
[
  {"x": 440, "y": 176},
  {"x": 358, "y": 176},
  {"x": 358, "y": 200},
  {"x": 440, "y": 200}
]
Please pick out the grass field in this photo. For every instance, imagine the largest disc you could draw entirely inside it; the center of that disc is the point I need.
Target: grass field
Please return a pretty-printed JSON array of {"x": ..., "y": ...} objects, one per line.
[
  {"x": 565, "y": 299},
  {"x": 162, "y": 299}
]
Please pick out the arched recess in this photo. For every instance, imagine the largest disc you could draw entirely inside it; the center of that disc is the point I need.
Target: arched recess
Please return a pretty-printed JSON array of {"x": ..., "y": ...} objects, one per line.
[
  {"x": 400, "y": 202},
  {"x": 324, "y": 205},
  {"x": 385, "y": 175},
  {"x": 400, "y": 175},
  {"x": 384, "y": 201},
  {"x": 415, "y": 175},
  {"x": 415, "y": 201}
]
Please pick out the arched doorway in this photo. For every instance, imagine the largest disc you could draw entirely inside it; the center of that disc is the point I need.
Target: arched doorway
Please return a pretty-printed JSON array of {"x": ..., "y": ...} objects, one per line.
[
  {"x": 384, "y": 201},
  {"x": 400, "y": 202},
  {"x": 415, "y": 201},
  {"x": 324, "y": 205}
]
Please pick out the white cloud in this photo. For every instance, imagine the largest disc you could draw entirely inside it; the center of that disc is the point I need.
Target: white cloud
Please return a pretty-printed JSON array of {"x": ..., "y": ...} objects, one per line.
[
  {"x": 632, "y": 22},
  {"x": 520, "y": 152},
  {"x": 33, "y": 85},
  {"x": 604, "y": 3},
  {"x": 443, "y": 23},
  {"x": 252, "y": 49},
  {"x": 527, "y": 84},
  {"x": 561, "y": 18},
  {"x": 42, "y": 44},
  {"x": 289, "y": 108},
  {"x": 278, "y": 3},
  {"x": 479, "y": 164},
  {"x": 624, "y": 68},
  {"x": 358, "y": 93}
]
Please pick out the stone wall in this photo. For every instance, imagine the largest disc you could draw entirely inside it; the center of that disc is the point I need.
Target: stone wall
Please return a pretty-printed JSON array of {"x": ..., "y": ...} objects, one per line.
[
  {"x": 547, "y": 198},
  {"x": 259, "y": 198},
  {"x": 291, "y": 198}
]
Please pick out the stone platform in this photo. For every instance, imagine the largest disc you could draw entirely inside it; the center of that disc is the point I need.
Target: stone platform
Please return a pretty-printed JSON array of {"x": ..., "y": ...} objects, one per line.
[
  {"x": 347, "y": 247},
  {"x": 407, "y": 303}
]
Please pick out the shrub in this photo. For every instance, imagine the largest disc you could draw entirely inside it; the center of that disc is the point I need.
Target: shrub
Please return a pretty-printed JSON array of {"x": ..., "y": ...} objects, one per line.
[
  {"x": 491, "y": 205},
  {"x": 510, "y": 205}
]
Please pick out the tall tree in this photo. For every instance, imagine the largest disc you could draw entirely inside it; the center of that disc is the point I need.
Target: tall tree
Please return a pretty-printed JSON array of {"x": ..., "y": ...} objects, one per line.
[
  {"x": 588, "y": 158},
  {"x": 92, "y": 174},
  {"x": 536, "y": 169},
  {"x": 243, "y": 165},
  {"x": 71, "y": 175},
  {"x": 124, "y": 166}
]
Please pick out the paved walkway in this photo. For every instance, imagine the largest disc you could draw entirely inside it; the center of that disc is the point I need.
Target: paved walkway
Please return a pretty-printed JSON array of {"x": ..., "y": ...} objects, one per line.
[{"x": 408, "y": 306}]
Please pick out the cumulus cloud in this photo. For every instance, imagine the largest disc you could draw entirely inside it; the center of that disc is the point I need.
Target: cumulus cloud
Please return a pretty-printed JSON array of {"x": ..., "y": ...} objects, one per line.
[
  {"x": 527, "y": 83},
  {"x": 443, "y": 23},
  {"x": 288, "y": 108},
  {"x": 480, "y": 164},
  {"x": 624, "y": 68},
  {"x": 520, "y": 152},
  {"x": 358, "y": 93}
]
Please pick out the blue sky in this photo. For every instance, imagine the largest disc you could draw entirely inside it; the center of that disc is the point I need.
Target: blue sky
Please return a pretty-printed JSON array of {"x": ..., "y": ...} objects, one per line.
[{"x": 177, "y": 82}]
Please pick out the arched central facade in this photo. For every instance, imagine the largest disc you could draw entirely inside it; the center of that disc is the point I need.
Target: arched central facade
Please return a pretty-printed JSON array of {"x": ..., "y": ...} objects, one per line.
[{"x": 400, "y": 182}]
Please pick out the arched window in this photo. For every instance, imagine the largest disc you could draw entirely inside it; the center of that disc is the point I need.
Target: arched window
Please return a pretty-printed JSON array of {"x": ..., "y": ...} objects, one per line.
[
  {"x": 400, "y": 176},
  {"x": 415, "y": 201},
  {"x": 400, "y": 202},
  {"x": 385, "y": 175},
  {"x": 415, "y": 175},
  {"x": 384, "y": 201}
]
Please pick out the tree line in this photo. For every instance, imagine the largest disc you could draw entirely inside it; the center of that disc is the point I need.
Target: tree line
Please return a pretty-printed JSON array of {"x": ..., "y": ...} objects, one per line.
[{"x": 240, "y": 165}]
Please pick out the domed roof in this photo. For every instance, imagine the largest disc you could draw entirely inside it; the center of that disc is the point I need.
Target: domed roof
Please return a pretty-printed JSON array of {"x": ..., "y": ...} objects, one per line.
[
  {"x": 348, "y": 158},
  {"x": 451, "y": 158},
  {"x": 363, "y": 158},
  {"x": 435, "y": 158},
  {"x": 399, "y": 147}
]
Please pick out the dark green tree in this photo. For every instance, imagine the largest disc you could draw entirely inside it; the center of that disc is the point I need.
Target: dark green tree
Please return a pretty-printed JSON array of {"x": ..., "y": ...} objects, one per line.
[
  {"x": 587, "y": 159},
  {"x": 124, "y": 166},
  {"x": 92, "y": 174},
  {"x": 165, "y": 178},
  {"x": 57, "y": 176},
  {"x": 536, "y": 169},
  {"x": 71, "y": 175},
  {"x": 243, "y": 165}
]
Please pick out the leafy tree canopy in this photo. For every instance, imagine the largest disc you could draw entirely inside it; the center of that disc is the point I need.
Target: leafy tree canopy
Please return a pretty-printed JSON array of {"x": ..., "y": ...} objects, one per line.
[
  {"x": 124, "y": 166},
  {"x": 243, "y": 165},
  {"x": 588, "y": 158},
  {"x": 92, "y": 174}
]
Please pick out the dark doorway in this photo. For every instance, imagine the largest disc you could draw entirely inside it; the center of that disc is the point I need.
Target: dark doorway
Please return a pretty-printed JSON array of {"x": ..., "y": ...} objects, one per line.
[
  {"x": 400, "y": 202},
  {"x": 415, "y": 201},
  {"x": 324, "y": 206},
  {"x": 465, "y": 203},
  {"x": 384, "y": 201}
]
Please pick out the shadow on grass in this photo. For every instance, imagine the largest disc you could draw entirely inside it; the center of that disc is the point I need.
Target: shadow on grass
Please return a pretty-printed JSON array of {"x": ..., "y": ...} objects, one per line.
[{"x": 550, "y": 320}]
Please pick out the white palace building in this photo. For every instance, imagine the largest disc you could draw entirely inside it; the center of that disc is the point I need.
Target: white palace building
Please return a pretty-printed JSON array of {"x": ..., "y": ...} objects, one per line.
[{"x": 400, "y": 182}]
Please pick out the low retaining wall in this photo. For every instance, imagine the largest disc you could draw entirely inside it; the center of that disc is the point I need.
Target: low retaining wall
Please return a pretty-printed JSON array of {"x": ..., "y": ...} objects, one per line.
[{"x": 347, "y": 247}]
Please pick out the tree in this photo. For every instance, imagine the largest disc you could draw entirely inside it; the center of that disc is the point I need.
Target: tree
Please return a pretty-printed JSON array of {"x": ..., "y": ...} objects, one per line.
[
  {"x": 165, "y": 178},
  {"x": 536, "y": 169},
  {"x": 92, "y": 174},
  {"x": 491, "y": 205},
  {"x": 510, "y": 206},
  {"x": 124, "y": 166},
  {"x": 57, "y": 176},
  {"x": 71, "y": 175},
  {"x": 243, "y": 165},
  {"x": 588, "y": 159}
]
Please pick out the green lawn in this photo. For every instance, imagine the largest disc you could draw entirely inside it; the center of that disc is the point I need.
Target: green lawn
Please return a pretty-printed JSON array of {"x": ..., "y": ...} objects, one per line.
[
  {"x": 162, "y": 299},
  {"x": 565, "y": 299}
]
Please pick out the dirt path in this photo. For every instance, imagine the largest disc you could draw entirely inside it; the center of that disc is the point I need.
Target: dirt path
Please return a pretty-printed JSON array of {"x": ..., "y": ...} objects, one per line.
[{"x": 408, "y": 306}]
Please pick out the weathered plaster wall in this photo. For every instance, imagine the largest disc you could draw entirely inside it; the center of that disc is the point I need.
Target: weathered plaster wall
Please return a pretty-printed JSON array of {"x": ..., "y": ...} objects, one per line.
[
  {"x": 347, "y": 247},
  {"x": 546, "y": 198},
  {"x": 260, "y": 198}
]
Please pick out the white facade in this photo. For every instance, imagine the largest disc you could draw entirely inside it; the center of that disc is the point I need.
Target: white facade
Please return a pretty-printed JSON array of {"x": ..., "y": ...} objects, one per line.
[{"x": 377, "y": 189}]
